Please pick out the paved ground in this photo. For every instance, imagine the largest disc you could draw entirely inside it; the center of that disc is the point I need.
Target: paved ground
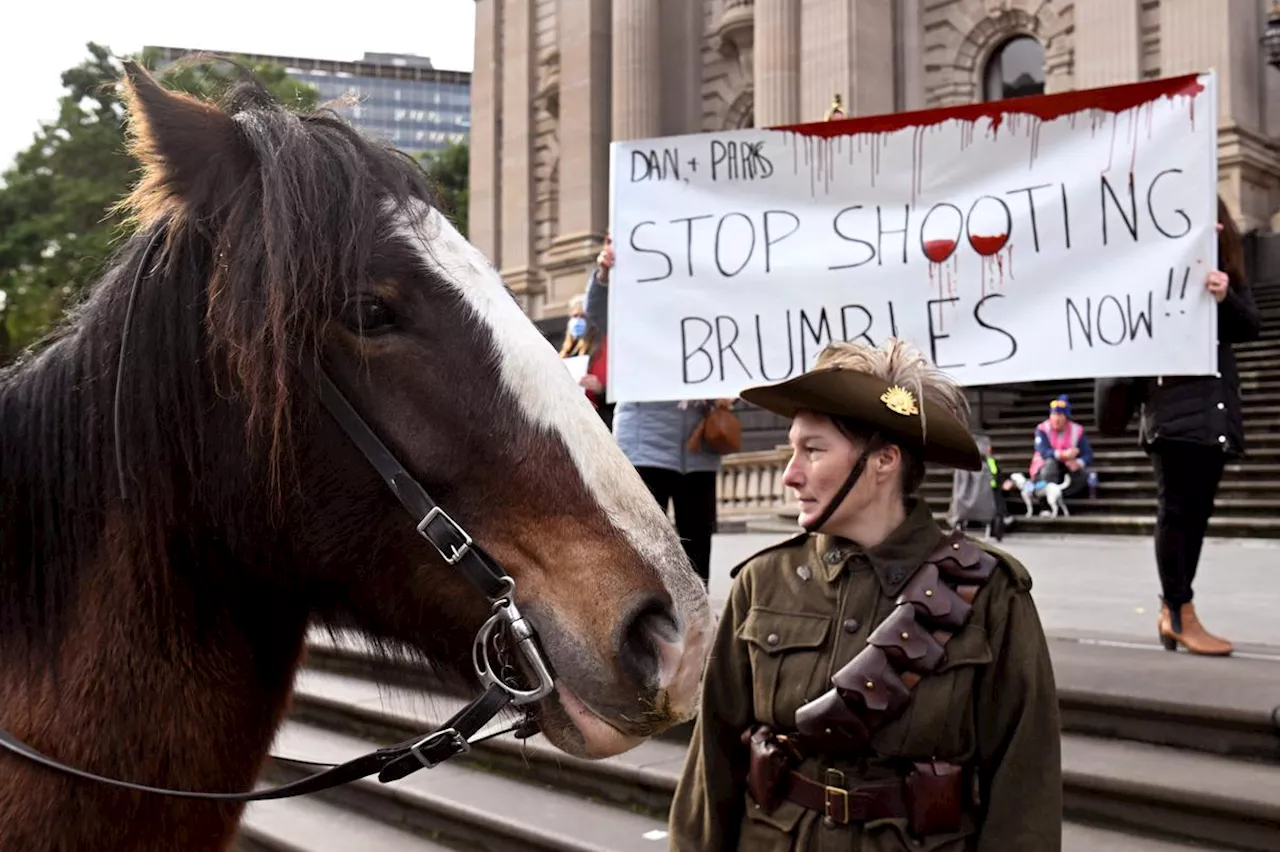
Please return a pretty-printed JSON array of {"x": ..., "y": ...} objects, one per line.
[{"x": 1106, "y": 587}]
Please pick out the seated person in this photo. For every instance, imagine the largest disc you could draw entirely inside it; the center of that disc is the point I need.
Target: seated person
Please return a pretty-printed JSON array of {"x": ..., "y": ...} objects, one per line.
[{"x": 1061, "y": 450}]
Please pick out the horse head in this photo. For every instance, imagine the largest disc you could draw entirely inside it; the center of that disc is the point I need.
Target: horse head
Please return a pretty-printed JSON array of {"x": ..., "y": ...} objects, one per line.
[
  {"x": 326, "y": 244},
  {"x": 267, "y": 241}
]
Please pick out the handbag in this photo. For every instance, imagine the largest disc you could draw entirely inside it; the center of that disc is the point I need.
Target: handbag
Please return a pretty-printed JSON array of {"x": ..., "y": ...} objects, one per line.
[{"x": 719, "y": 430}]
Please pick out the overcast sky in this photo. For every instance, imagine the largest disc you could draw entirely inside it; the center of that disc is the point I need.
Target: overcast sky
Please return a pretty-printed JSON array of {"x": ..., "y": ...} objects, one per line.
[{"x": 39, "y": 40}]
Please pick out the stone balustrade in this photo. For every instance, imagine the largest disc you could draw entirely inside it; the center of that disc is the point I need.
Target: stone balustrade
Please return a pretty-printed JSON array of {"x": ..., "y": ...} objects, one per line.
[{"x": 750, "y": 485}]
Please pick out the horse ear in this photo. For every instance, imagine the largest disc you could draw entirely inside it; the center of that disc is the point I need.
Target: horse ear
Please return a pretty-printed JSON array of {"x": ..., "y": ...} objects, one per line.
[{"x": 190, "y": 150}]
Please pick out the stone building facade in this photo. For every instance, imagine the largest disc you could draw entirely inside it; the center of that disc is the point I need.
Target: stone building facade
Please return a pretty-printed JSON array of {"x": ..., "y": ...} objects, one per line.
[{"x": 556, "y": 80}]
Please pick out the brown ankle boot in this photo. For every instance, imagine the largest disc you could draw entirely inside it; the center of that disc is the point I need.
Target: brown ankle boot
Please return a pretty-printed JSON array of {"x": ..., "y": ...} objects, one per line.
[{"x": 1184, "y": 627}]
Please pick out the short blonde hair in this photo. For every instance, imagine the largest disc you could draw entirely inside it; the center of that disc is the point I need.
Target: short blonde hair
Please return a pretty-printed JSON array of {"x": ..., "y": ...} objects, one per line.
[{"x": 900, "y": 363}]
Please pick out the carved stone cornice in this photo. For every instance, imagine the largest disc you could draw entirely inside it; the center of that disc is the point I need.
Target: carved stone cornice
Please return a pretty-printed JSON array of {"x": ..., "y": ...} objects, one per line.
[
  {"x": 573, "y": 250},
  {"x": 523, "y": 281},
  {"x": 735, "y": 31}
]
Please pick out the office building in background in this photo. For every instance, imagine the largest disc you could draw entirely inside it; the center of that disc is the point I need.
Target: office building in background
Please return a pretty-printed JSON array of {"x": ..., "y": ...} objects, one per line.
[{"x": 396, "y": 97}]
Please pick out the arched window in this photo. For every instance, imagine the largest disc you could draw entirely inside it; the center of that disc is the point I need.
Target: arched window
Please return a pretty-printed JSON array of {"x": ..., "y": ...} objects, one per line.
[{"x": 1015, "y": 69}]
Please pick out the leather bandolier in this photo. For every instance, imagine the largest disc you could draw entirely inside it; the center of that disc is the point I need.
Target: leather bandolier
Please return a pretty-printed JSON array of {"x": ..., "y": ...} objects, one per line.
[{"x": 871, "y": 690}]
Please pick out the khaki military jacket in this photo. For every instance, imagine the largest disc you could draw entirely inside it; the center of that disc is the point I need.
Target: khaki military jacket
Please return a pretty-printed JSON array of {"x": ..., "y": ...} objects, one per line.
[{"x": 796, "y": 613}]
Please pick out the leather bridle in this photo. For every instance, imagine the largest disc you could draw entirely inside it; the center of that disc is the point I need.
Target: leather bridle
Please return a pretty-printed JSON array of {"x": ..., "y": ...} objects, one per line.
[{"x": 455, "y": 546}]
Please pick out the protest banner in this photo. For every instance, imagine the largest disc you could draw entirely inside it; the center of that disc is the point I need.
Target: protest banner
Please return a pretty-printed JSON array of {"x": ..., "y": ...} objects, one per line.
[{"x": 1049, "y": 237}]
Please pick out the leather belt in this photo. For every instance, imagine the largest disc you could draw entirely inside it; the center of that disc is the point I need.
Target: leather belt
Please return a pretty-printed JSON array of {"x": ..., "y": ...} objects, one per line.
[{"x": 871, "y": 800}]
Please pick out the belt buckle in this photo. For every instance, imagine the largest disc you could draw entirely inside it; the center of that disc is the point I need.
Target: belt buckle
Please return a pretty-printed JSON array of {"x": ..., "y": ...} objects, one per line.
[{"x": 835, "y": 800}]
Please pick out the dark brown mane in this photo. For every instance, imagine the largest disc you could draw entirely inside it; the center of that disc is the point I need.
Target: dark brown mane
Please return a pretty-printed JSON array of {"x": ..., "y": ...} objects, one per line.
[{"x": 207, "y": 356}]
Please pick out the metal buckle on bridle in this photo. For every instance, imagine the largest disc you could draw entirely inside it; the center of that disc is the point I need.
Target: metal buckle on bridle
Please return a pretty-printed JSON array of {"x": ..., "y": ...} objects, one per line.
[
  {"x": 505, "y": 612},
  {"x": 457, "y": 745},
  {"x": 456, "y": 551}
]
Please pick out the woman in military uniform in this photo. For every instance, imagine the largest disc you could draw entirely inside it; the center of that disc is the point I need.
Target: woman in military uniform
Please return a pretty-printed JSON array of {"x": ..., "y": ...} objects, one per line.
[{"x": 875, "y": 684}]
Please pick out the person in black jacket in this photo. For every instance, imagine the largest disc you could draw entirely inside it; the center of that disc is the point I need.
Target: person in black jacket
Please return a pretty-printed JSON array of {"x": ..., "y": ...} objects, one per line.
[{"x": 1190, "y": 426}]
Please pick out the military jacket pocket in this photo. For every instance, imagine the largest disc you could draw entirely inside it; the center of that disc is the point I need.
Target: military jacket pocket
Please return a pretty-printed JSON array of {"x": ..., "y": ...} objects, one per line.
[
  {"x": 773, "y": 831},
  {"x": 786, "y": 649}
]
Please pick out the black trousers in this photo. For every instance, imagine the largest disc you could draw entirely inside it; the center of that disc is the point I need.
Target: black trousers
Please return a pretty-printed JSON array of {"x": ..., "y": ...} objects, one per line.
[
  {"x": 694, "y": 496},
  {"x": 1187, "y": 478},
  {"x": 1055, "y": 471}
]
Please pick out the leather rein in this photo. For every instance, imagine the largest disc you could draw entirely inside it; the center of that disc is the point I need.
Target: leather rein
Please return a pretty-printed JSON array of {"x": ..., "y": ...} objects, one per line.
[{"x": 459, "y": 551}]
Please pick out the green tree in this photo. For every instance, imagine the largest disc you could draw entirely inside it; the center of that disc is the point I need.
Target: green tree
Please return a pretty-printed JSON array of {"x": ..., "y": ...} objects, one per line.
[
  {"x": 57, "y": 226},
  {"x": 449, "y": 169}
]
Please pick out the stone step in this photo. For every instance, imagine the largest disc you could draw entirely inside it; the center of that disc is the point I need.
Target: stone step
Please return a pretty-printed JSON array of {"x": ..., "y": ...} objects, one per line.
[
  {"x": 325, "y": 827},
  {"x": 1081, "y": 390},
  {"x": 563, "y": 803},
  {"x": 1113, "y": 467},
  {"x": 1143, "y": 506},
  {"x": 1256, "y": 404},
  {"x": 1258, "y": 434},
  {"x": 1087, "y": 524},
  {"x": 1255, "y": 417},
  {"x": 461, "y": 804},
  {"x": 306, "y": 824},
  {"x": 1112, "y": 487},
  {"x": 1126, "y": 689},
  {"x": 480, "y": 810}
]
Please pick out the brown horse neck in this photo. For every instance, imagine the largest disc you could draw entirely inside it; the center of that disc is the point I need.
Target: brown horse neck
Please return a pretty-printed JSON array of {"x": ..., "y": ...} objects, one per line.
[{"x": 186, "y": 708}]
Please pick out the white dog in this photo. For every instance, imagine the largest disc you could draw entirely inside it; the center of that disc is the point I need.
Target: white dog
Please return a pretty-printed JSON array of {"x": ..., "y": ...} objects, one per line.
[
  {"x": 1052, "y": 492},
  {"x": 1053, "y": 495}
]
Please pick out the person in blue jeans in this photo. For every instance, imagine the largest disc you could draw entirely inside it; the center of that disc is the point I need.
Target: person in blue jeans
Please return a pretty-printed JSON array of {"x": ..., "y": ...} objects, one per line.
[{"x": 654, "y": 435}]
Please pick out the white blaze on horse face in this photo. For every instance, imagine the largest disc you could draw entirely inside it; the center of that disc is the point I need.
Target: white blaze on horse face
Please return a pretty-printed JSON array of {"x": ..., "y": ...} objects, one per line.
[{"x": 534, "y": 374}]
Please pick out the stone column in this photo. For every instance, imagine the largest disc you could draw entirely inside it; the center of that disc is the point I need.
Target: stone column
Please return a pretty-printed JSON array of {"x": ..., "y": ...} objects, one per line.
[
  {"x": 777, "y": 62},
  {"x": 1108, "y": 43},
  {"x": 585, "y": 119},
  {"x": 683, "y": 22},
  {"x": 1196, "y": 35},
  {"x": 486, "y": 94},
  {"x": 872, "y": 59},
  {"x": 847, "y": 48},
  {"x": 517, "y": 149},
  {"x": 910, "y": 27},
  {"x": 585, "y": 124},
  {"x": 637, "y": 69},
  {"x": 826, "y": 47}
]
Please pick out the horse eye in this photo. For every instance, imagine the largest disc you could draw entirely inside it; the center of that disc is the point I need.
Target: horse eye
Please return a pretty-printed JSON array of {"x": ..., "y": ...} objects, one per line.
[{"x": 368, "y": 316}]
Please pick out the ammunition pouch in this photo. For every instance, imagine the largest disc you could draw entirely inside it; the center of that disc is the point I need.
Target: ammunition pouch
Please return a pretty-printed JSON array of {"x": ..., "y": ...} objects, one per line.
[
  {"x": 875, "y": 687},
  {"x": 935, "y": 798},
  {"x": 770, "y": 765}
]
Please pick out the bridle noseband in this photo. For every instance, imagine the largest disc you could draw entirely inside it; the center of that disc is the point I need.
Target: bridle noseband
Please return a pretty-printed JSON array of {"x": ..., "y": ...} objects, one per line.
[{"x": 455, "y": 546}]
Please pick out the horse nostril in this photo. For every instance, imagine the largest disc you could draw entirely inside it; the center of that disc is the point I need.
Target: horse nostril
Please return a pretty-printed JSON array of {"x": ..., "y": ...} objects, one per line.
[{"x": 651, "y": 627}]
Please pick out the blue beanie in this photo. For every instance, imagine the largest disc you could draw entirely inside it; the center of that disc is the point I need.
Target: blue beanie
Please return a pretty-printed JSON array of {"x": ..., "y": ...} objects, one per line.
[{"x": 1061, "y": 405}]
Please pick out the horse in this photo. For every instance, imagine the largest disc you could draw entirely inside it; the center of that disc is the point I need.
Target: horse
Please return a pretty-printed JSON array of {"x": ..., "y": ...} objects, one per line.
[{"x": 178, "y": 508}]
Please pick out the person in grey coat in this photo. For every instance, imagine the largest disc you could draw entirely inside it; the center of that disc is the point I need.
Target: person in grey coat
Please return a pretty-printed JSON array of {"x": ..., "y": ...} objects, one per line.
[{"x": 654, "y": 435}]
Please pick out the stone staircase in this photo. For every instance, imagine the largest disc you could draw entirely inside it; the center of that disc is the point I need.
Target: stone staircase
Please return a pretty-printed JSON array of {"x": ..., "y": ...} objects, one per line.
[
  {"x": 1147, "y": 767},
  {"x": 1248, "y": 503}
]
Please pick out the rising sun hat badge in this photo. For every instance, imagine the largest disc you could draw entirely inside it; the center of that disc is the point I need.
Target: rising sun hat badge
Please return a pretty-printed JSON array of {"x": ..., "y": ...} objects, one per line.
[{"x": 900, "y": 401}]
